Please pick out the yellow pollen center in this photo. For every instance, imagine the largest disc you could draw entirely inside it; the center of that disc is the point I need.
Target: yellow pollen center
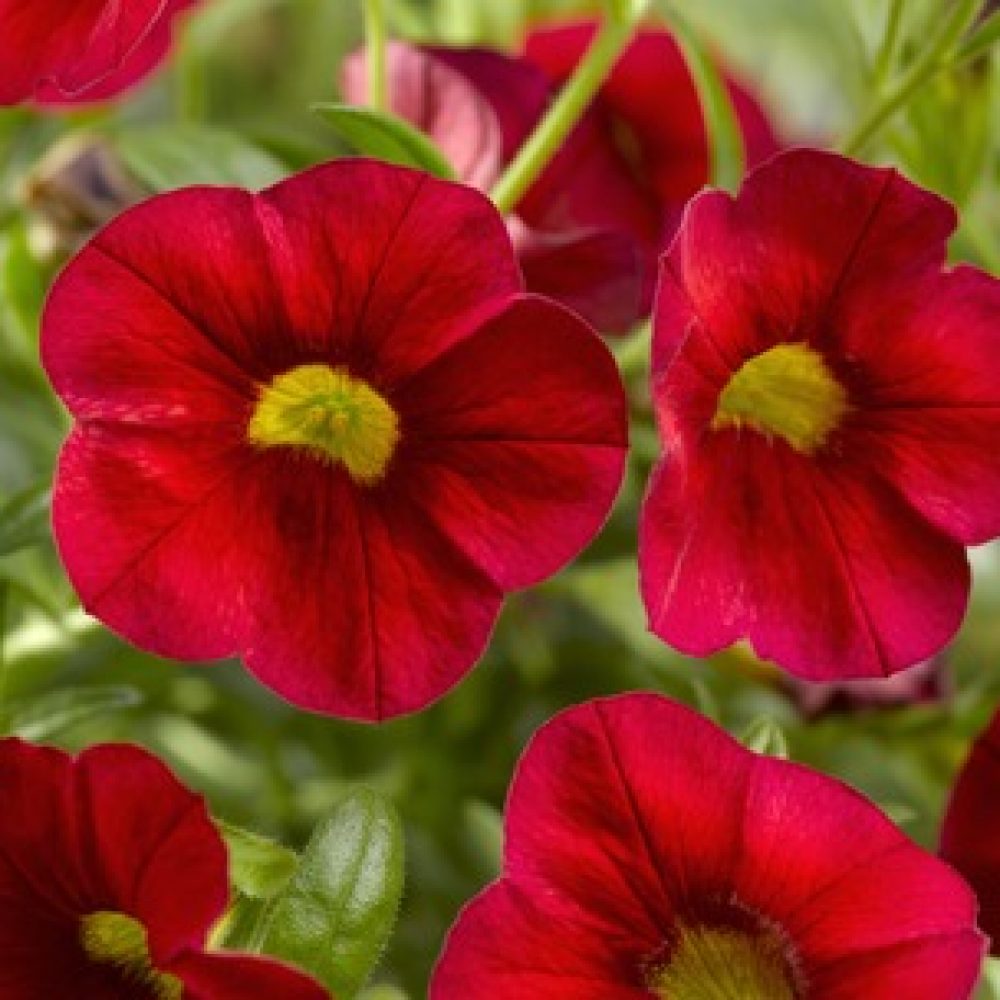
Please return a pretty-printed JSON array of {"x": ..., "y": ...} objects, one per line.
[
  {"x": 331, "y": 416},
  {"x": 120, "y": 941},
  {"x": 713, "y": 963},
  {"x": 787, "y": 392}
]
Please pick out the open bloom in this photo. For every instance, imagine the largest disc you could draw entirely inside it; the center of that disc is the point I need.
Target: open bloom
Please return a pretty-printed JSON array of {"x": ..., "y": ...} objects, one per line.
[
  {"x": 829, "y": 401},
  {"x": 649, "y": 855},
  {"x": 89, "y": 50},
  {"x": 970, "y": 834},
  {"x": 322, "y": 427},
  {"x": 589, "y": 231},
  {"x": 111, "y": 877}
]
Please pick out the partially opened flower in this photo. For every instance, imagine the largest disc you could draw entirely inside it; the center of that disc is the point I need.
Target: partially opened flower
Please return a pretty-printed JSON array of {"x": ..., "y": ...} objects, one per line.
[
  {"x": 323, "y": 428},
  {"x": 111, "y": 877},
  {"x": 650, "y": 115},
  {"x": 479, "y": 106},
  {"x": 649, "y": 855},
  {"x": 589, "y": 231},
  {"x": 86, "y": 51},
  {"x": 970, "y": 834},
  {"x": 829, "y": 402}
]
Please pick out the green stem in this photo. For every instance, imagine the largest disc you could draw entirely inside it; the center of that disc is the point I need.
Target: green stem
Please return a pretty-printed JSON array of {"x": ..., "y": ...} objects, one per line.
[
  {"x": 567, "y": 109},
  {"x": 938, "y": 56},
  {"x": 632, "y": 353},
  {"x": 4, "y": 602},
  {"x": 887, "y": 51},
  {"x": 375, "y": 43}
]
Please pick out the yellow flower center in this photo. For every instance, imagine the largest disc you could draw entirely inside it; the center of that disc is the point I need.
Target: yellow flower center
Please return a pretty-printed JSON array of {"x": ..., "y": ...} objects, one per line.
[
  {"x": 329, "y": 415},
  {"x": 717, "y": 963},
  {"x": 120, "y": 941},
  {"x": 787, "y": 392}
]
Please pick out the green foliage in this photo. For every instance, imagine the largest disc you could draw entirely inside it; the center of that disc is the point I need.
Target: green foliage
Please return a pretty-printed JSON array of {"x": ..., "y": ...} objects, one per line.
[
  {"x": 385, "y": 136},
  {"x": 24, "y": 519},
  {"x": 335, "y": 916}
]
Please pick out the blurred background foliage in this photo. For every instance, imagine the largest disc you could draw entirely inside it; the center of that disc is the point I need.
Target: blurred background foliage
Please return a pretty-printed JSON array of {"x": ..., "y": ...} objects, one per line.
[{"x": 234, "y": 108}]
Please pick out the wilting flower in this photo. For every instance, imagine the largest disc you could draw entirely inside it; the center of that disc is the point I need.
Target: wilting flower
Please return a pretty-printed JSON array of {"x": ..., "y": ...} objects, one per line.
[
  {"x": 111, "y": 877},
  {"x": 928, "y": 683},
  {"x": 322, "y": 427},
  {"x": 650, "y": 855},
  {"x": 589, "y": 231},
  {"x": 829, "y": 401},
  {"x": 88, "y": 51},
  {"x": 970, "y": 834}
]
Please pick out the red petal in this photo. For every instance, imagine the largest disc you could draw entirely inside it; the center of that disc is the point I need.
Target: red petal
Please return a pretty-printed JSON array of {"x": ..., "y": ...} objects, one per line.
[
  {"x": 824, "y": 568},
  {"x": 503, "y": 948},
  {"x": 394, "y": 616},
  {"x": 136, "y": 67},
  {"x": 598, "y": 273},
  {"x": 931, "y": 417},
  {"x": 969, "y": 833},
  {"x": 940, "y": 968},
  {"x": 597, "y": 823},
  {"x": 69, "y": 49},
  {"x": 242, "y": 977},
  {"x": 521, "y": 463},
  {"x": 809, "y": 230}
]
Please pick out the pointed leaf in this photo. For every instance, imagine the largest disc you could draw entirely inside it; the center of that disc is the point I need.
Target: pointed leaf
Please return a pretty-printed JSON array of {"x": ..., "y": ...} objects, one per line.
[
  {"x": 337, "y": 913},
  {"x": 384, "y": 136}
]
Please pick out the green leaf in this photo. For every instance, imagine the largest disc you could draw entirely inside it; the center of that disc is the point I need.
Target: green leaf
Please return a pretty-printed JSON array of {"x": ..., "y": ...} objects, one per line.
[
  {"x": 172, "y": 156},
  {"x": 387, "y": 137},
  {"x": 258, "y": 867},
  {"x": 336, "y": 915},
  {"x": 765, "y": 736},
  {"x": 725, "y": 141},
  {"x": 24, "y": 519},
  {"x": 53, "y": 714},
  {"x": 22, "y": 285}
]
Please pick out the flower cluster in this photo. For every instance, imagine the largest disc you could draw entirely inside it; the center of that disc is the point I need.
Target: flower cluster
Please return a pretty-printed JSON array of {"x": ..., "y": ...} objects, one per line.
[{"x": 329, "y": 426}]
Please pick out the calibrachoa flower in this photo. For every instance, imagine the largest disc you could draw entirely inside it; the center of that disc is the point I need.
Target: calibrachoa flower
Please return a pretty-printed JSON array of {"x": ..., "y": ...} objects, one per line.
[
  {"x": 829, "y": 402},
  {"x": 650, "y": 855},
  {"x": 970, "y": 834},
  {"x": 649, "y": 114},
  {"x": 589, "y": 231},
  {"x": 324, "y": 428},
  {"x": 479, "y": 106},
  {"x": 89, "y": 50},
  {"x": 111, "y": 877}
]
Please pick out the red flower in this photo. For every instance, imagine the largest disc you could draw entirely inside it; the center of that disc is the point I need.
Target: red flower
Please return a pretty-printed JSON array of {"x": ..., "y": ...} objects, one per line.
[
  {"x": 970, "y": 835},
  {"x": 590, "y": 230},
  {"x": 112, "y": 875},
  {"x": 448, "y": 94},
  {"x": 89, "y": 51},
  {"x": 322, "y": 427},
  {"x": 829, "y": 402},
  {"x": 650, "y": 855}
]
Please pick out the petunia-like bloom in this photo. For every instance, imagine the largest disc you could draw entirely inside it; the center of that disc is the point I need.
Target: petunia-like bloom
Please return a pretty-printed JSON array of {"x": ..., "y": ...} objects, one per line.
[
  {"x": 828, "y": 396},
  {"x": 970, "y": 834},
  {"x": 89, "y": 50},
  {"x": 324, "y": 428},
  {"x": 649, "y": 855},
  {"x": 588, "y": 233},
  {"x": 111, "y": 877}
]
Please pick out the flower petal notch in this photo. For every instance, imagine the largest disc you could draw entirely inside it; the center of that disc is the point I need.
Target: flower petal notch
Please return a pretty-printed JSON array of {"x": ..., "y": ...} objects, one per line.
[
  {"x": 650, "y": 855},
  {"x": 328, "y": 435},
  {"x": 828, "y": 398},
  {"x": 969, "y": 833},
  {"x": 89, "y": 51},
  {"x": 113, "y": 876}
]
